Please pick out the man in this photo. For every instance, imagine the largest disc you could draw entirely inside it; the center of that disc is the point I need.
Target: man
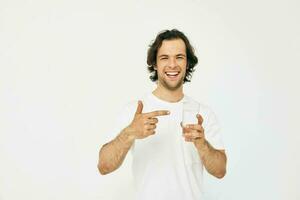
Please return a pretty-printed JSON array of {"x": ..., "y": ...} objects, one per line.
[{"x": 168, "y": 158}]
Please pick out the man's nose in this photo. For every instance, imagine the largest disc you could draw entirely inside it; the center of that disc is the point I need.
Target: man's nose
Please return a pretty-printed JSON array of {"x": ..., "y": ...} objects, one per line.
[{"x": 172, "y": 62}]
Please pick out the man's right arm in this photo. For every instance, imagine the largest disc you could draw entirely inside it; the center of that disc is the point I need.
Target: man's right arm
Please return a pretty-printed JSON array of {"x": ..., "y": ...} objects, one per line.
[{"x": 112, "y": 154}]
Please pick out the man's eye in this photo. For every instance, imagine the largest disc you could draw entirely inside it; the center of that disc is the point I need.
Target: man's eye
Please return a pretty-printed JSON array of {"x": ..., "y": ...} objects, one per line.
[
  {"x": 163, "y": 58},
  {"x": 179, "y": 57}
]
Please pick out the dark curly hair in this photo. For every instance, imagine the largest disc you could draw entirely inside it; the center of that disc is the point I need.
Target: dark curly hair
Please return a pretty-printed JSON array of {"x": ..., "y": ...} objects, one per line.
[{"x": 192, "y": 60}]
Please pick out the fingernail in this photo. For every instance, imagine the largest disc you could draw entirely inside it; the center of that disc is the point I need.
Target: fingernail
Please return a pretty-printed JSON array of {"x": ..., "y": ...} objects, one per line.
[{"x": 168, "y": 112}]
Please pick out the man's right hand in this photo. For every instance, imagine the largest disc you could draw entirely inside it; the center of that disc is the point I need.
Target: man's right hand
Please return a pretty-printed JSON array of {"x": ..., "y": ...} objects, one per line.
[{"x": 144, "y": 124}]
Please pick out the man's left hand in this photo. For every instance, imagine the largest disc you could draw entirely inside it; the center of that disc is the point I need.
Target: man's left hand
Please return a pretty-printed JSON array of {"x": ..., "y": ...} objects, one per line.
[{"x": 194, "y": 132}]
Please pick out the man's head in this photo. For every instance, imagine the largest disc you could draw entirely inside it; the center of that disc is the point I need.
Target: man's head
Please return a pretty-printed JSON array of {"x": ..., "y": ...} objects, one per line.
[{"x": 171, "y": 59}]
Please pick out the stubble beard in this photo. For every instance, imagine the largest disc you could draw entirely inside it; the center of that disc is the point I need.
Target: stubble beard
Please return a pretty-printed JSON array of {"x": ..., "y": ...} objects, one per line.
[{"x": 166, "y": 85}]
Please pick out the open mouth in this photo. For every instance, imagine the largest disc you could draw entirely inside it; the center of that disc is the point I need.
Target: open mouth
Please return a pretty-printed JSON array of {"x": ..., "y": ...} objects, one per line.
[{"x": 172, "y": 75}]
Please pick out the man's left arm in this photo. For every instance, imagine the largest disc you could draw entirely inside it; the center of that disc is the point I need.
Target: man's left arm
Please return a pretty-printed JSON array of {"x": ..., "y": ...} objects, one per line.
[{"x": 214, "y": 160}]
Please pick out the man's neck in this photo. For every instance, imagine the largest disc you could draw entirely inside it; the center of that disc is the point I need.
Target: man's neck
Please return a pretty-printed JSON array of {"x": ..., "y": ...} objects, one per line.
[{"x": 169, "y": 95}]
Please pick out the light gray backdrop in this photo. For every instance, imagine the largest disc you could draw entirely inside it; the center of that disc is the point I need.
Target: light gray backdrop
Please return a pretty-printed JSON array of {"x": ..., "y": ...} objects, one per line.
[{"x": 67, "y": 67}]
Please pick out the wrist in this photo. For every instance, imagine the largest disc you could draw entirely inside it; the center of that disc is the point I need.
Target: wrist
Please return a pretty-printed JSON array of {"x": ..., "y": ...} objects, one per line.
[
  {"x": 129, "y": 133},
  {"x": 200, "y": 143},
  {"x": 125, "y": 139}
]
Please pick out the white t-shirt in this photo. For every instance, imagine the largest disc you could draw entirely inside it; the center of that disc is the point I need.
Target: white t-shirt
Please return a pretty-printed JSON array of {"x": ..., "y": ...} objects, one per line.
[{"x": 165, "y": 166}]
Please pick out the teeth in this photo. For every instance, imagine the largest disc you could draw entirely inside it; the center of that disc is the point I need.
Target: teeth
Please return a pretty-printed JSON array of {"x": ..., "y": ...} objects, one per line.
[{"x": 172, "y": 73}]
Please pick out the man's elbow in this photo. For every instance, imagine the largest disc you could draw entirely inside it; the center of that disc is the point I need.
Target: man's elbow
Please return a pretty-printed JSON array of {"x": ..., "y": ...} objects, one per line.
[
  {"x": 103, "y": 166},
  {"x": 221, "y": 170},
  {"x": 102, "y": 169},
  {"x": 220, "y": 174}
]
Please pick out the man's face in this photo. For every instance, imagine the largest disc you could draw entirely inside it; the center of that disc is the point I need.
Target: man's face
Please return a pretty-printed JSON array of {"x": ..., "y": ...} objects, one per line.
[{"x": 171, "y": 63}]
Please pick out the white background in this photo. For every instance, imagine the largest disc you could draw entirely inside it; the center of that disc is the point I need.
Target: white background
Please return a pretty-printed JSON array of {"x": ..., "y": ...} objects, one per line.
[{"x": 67, "y": 67}]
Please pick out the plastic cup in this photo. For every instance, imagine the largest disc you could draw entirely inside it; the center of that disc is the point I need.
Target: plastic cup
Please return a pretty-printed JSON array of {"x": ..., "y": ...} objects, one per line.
[{"x": 189, "y": 111}]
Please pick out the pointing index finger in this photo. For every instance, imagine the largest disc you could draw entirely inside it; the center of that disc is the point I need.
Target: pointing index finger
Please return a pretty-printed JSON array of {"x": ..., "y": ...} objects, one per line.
[{"x": 157, "y": 113}]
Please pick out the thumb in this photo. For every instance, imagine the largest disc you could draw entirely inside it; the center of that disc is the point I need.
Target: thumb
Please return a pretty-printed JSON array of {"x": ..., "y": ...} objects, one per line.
[
  {"x": 139, "y": 108},
  {"x": 200, "y": 119}
]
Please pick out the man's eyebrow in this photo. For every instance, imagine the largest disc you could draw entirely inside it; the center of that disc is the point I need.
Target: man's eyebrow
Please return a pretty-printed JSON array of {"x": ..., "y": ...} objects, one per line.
[{"x": 163, "y": 55}]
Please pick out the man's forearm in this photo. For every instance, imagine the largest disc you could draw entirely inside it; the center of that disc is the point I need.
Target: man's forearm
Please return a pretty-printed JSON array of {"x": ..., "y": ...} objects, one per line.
[
  {"x": 112, "y": 154},
  {"x": 214, "y": 160}
]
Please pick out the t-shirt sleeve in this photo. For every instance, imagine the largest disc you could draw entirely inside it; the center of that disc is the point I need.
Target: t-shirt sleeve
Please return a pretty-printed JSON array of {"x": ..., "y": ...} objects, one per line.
[{"x": 212, "y": 129}]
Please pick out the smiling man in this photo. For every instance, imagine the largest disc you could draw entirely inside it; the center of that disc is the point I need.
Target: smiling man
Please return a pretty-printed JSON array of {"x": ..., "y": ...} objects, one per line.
[{"x": 168, "y": 158}]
